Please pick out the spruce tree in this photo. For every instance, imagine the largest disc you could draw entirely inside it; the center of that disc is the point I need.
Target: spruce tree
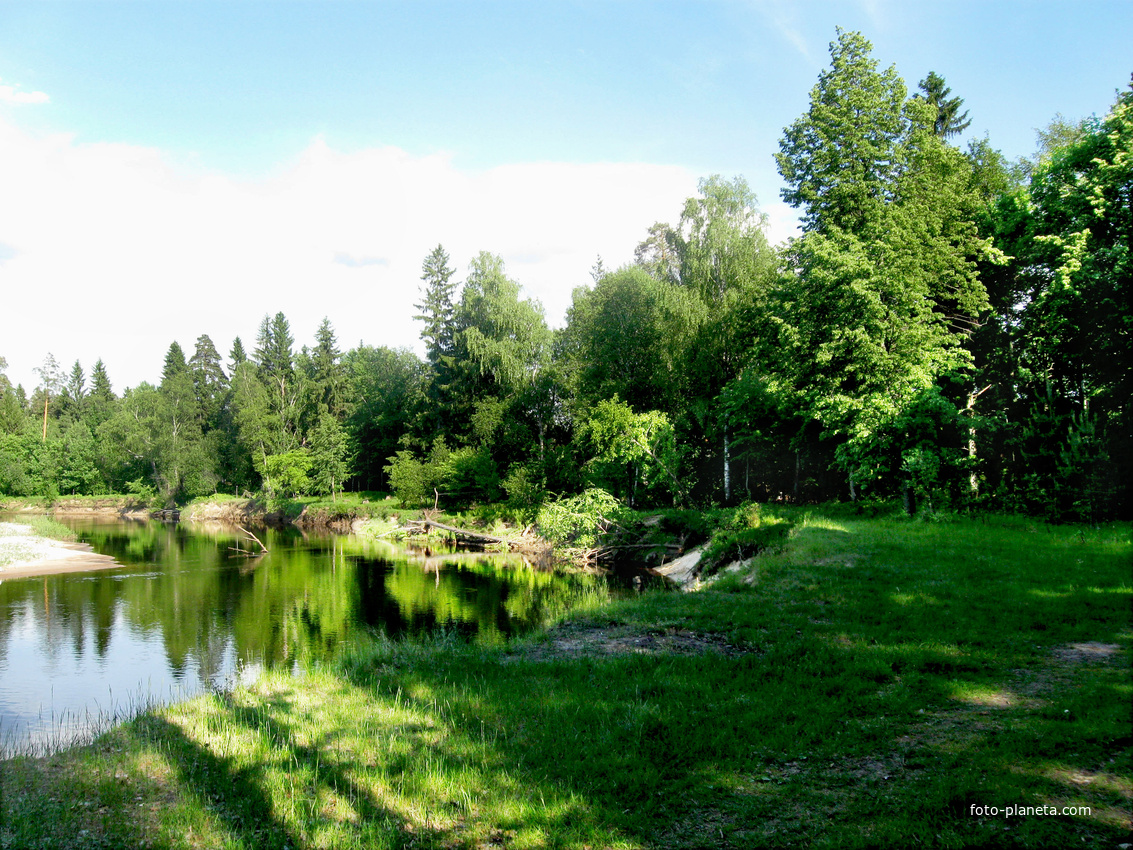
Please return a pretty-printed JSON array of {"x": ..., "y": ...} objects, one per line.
[
  {"x": 437, "y": 306},
  {"x": 948, "y": 121}
]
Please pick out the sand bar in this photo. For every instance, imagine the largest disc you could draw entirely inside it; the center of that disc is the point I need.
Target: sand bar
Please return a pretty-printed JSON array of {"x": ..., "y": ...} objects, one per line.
[{"x": 42, "y": 556}]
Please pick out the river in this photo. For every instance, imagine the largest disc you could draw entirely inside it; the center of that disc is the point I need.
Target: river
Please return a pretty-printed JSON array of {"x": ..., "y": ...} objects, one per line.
[{"x": 187, "y": 612}]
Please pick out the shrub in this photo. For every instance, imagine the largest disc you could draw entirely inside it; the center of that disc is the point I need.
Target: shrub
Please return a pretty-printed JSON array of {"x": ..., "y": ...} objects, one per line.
[
  {"x": 581, "y": 521},
  {"x": 744, "y": 535}
]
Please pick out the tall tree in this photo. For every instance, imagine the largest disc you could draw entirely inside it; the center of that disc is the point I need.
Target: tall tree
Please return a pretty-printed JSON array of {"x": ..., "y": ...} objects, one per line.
[
  {"x": 276, "y": 369},
  {"x": 209, "y": 382},
  {"x": 51, "y": 387},
  {"x": 12, "y": 415},
  {"x": 501, "y": 337},
  {"x": 100, "y": 382},
  {"x": 330, "y": 456},
  {"x": 386, "y": 388},
  {"x": 175, "y": 362},
  {"x": 1071, "y": 328},
  {"x": 327, "y": 374},
  {"x": 626, "y": 336},
  {"x": 75, "y": 391},
  {"x": 437, "y": 306},
  {"x": 885, "y": 288},
  {"x": 236, "y": 356},
  {"x": 840, "y": 160}
]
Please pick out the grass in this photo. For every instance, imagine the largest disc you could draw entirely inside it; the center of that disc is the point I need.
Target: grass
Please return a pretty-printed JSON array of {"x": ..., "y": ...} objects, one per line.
[
  {"x": 46, "y": 527},
  {"x": 879, "y": 682}
]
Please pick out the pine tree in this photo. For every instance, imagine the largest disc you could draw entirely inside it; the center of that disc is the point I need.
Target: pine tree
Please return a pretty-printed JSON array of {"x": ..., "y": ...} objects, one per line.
[
  {"x": 327, "y": 375},
  {"x": 209, "y": 381},
  {"x": 100, "y": 382},
  {"x": 75, "y": 391}
]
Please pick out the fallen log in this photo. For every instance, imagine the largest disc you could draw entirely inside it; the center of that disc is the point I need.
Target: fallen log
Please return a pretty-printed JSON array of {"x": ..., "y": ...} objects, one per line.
[{"x": 475, "y": 536}]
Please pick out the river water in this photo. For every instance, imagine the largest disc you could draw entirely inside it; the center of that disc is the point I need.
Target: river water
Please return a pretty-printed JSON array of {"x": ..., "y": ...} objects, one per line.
[{"x": 186, "y": 612}]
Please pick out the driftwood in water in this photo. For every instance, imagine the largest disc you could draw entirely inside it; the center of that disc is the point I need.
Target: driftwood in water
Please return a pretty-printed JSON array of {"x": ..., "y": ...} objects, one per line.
[{"x": 263, "y": 548}]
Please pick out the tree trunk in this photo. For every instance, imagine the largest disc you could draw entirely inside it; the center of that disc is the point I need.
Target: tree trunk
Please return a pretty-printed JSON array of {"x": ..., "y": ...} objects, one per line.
[
  {"x": 973, "y": 480},
  {"x": 727, "y": 467},
  {"x": 798, "y": 464}
]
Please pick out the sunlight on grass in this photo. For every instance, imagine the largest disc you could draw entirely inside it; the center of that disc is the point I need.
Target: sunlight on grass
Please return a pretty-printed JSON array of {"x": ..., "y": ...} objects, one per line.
[
  {"x": 820, "y": 522},
  {"x": 914, "y": 599},
  {"x": 989, "y": 697},
  {"x": 335, "y": 757},
  {"x": 1076, "y": 777}
]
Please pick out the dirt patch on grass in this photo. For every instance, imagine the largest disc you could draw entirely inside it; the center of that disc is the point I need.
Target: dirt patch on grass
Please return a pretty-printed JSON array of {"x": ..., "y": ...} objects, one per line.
[
  {"x": 604, "y": 641},
  {"x": 1084, "y": 653}
]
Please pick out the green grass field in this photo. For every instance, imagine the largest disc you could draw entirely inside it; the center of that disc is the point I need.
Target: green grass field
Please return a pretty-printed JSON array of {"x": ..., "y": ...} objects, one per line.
[{"x": 878, "y": 683}]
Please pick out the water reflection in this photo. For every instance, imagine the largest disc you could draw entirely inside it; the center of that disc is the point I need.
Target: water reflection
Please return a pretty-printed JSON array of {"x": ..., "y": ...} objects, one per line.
[{"x": 190, "y": 607}]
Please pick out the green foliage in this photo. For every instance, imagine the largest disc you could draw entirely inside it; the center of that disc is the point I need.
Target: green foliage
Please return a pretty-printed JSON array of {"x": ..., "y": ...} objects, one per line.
[
  {"x": 438, "y": 307},
  {"x": 416, "y": 483},
  {"x": 949, "y": 327},
  {"x": 947, "y": 119},
  {"x": 330, "y": 456},
  {"x": 46, "y": 527},
  {"x": 385, "y": 389},
  {"x": 287, "y": 474},
  {"x": 841, "y": 159},
  {"x": 469, "y": 475},
  {"x": 626, "y": 337},
  {"x": 503, "y": 338},
  {"x": 635, "y": 454},
  {"x": 525, "y": 492},
  {"x": 579, "y": 522}
]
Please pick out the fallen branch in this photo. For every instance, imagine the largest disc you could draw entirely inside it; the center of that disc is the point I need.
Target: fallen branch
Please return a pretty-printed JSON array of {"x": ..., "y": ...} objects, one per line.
[
  {"x": 461, "y": 532},
  {"x": 263, "y": 548}
]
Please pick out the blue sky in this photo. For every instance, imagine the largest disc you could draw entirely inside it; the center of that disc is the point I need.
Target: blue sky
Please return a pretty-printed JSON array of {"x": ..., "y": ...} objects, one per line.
[{"x": 173, "y": 169}]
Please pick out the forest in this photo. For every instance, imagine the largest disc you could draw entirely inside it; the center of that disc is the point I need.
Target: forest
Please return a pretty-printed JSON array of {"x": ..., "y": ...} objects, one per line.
[{"x": 950, "y": 329}]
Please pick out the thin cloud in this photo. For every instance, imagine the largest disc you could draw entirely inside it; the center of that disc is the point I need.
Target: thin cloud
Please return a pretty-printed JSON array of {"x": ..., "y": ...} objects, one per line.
[
  {"x": 12, "y": 94},
  {"x": 784, "y": 17}
]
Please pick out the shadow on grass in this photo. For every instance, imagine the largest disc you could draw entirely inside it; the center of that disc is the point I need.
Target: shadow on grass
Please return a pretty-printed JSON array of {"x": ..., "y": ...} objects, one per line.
[
  {"x": 234, "y": 795},
  {"x": 887, "y": 688}
]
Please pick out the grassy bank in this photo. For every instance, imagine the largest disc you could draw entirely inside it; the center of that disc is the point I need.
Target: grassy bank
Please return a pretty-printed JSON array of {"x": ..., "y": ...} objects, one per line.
[{"x": 877, "y": 683}]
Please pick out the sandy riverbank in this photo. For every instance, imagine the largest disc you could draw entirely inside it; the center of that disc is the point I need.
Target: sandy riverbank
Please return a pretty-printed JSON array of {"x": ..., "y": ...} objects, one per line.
[{"x": 35, "y": 555}]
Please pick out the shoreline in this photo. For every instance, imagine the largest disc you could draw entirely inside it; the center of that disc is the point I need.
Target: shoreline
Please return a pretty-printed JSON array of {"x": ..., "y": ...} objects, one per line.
[{"x": 55, "y": 557}]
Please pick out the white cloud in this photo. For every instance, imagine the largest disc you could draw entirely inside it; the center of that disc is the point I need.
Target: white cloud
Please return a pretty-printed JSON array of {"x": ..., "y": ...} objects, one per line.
[
  {"x": 114, "y": 252},
  {"x": 12, "y": 94}
]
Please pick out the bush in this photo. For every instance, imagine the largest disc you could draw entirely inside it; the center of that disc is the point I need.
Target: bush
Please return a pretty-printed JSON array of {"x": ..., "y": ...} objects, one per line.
[
  {"x": 581, "y": 521},
  {"x": 525, "y": 493},
  {"x": 744, "y": 535}
]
